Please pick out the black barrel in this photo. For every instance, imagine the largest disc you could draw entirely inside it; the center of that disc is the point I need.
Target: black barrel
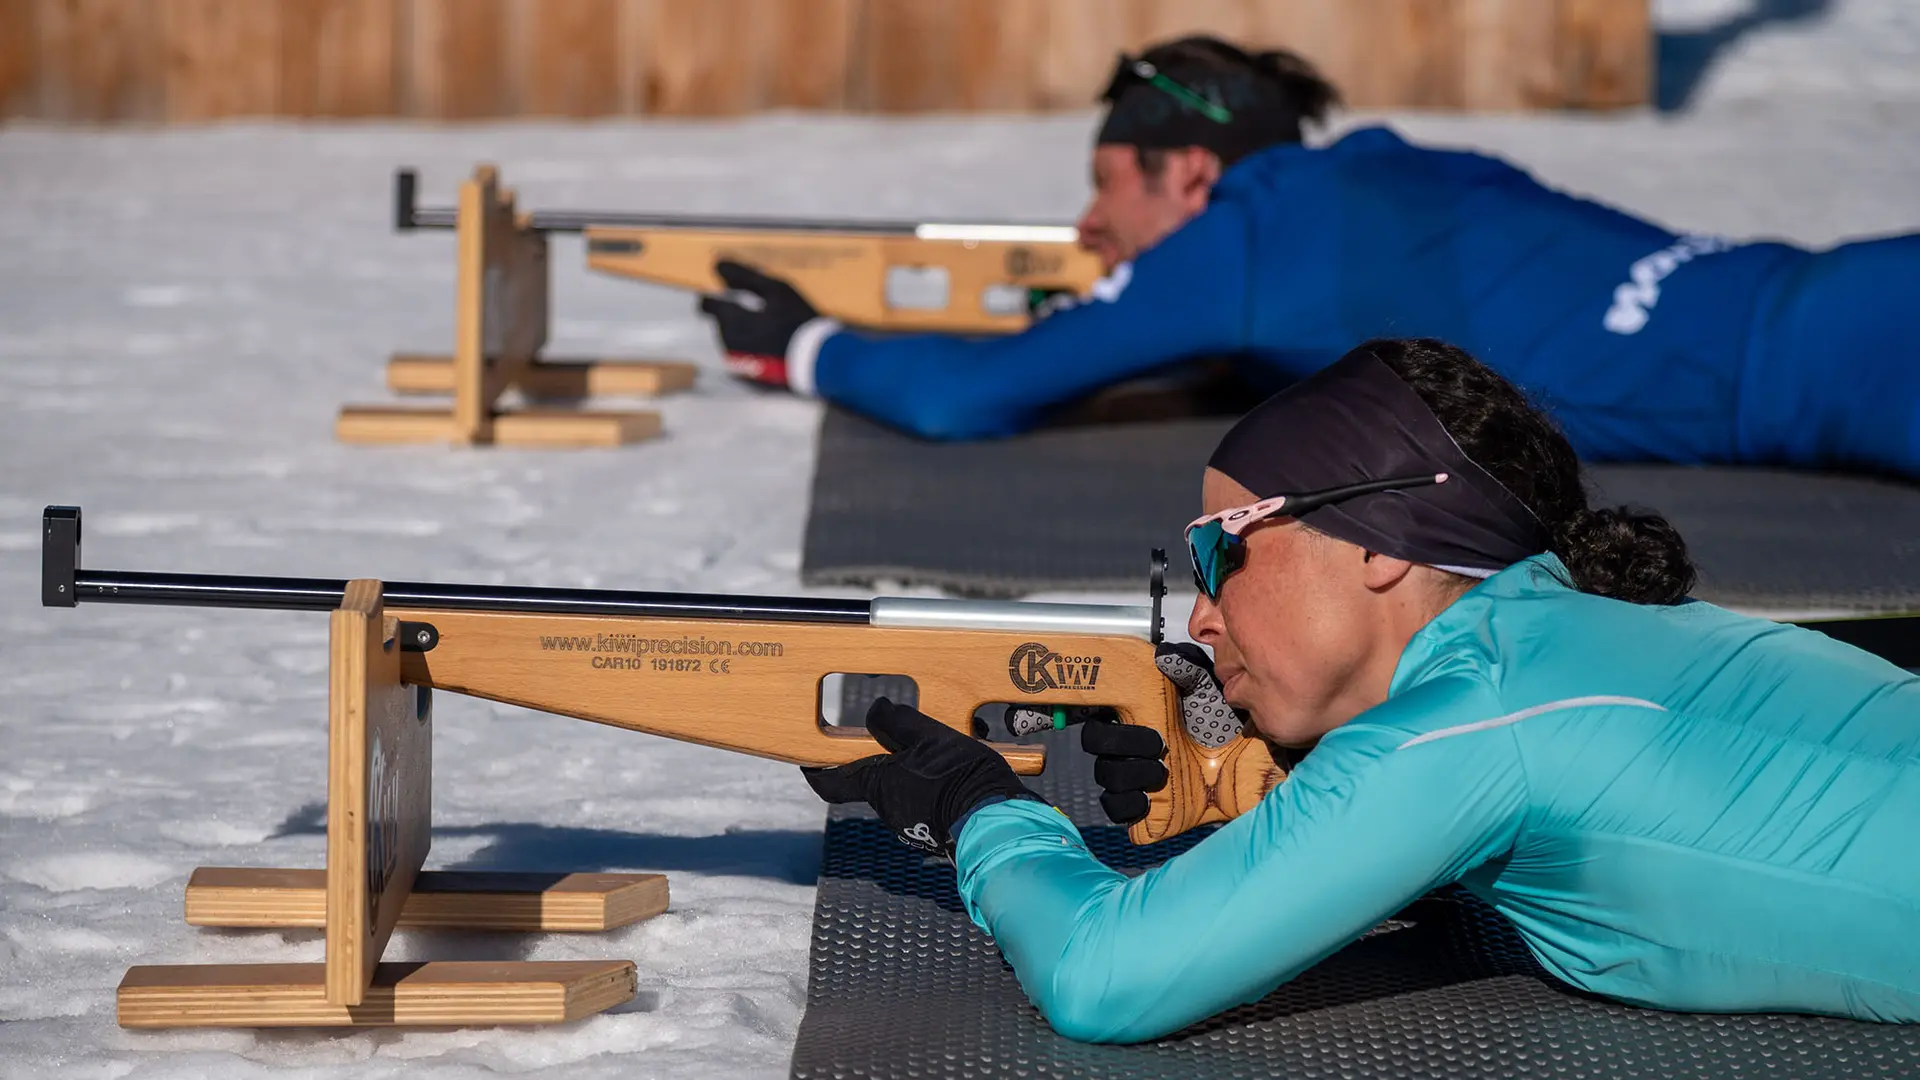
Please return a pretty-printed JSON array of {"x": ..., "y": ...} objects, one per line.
[
  {"x": 323, "y": 594},
  {"x": 63, "y": 584}
]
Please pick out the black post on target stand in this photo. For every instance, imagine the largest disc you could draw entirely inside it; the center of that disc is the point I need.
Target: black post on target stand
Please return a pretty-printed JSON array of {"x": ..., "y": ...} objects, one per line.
[
  {"x": 59, "y": 556},
  {"x": 405, "y": 192}
]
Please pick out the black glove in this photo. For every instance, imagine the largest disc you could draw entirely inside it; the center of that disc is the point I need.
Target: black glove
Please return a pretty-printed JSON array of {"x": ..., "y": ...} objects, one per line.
[
  {"x": 931, "y": 777},
  {"x": 1127, "y": 757},
  {"x": 757, "y": 317}
]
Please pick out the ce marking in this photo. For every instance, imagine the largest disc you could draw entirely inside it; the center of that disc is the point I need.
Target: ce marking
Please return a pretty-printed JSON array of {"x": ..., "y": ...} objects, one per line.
[{"x": 720, "y": 667}]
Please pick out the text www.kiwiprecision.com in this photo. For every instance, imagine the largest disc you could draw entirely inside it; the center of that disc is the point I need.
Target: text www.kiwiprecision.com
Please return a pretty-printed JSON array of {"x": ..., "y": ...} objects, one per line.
[{"x": 635, "y": 652}]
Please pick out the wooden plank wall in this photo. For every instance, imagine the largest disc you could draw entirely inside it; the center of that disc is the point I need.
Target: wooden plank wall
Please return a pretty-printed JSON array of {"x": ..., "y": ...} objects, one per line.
[{"x": 90, "y": 61}]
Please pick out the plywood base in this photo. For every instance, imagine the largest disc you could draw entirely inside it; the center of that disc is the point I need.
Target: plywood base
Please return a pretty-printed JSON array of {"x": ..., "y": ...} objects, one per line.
[
  {"x": 554, "y": 429},
  {"x": 436, "y": 993},
  {"x": 441, "y": 899},
  {"x": 412, "y": 373}
]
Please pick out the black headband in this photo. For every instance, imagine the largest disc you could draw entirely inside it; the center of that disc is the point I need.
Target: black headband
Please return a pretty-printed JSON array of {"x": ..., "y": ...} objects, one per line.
[
  {"x": 1357, "y": 421},
  {"x": 1230, "y": 111}
]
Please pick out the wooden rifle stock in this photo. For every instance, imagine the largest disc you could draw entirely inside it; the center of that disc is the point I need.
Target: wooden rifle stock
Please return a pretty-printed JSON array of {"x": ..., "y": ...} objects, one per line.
[
  {"x": 891, "y": 275},
  {"x": 744, "y": 673}
]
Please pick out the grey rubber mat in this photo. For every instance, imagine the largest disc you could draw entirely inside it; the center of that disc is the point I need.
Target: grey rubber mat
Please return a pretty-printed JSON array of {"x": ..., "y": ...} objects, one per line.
[
  {"x": 1064, "y": 508},
  {"x": 903, "y": 985},
  {"x": 1080, "y": 507}
]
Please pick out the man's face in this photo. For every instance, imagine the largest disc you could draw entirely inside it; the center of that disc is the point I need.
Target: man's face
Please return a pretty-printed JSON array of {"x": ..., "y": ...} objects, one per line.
[
  {"x": 1131, "y": 211},
  {"x": 1293, "y": 630}
]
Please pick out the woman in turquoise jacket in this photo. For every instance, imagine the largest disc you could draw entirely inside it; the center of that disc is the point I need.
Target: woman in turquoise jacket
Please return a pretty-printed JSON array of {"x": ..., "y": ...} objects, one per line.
[{"x": 1483, "y": 681}]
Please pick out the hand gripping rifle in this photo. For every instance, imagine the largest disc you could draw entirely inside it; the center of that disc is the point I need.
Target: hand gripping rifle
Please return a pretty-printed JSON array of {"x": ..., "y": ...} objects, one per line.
[
  {"x": 744, "y": 672},
  {"x": 891, "y": 275}
]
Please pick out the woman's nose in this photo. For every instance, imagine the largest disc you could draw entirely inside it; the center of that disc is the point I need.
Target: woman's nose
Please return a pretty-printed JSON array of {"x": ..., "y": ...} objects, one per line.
[{"x": 1205, "y": 624}]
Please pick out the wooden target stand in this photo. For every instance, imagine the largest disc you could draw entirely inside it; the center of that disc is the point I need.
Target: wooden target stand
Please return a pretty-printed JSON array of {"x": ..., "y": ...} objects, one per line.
[
  {"x": 379, "y": 802},
  {"x": 501, "y": 314}
]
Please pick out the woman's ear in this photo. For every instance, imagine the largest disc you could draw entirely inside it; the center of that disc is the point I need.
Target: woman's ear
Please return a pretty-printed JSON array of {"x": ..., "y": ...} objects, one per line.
[{"x": 1384, "y": 571}]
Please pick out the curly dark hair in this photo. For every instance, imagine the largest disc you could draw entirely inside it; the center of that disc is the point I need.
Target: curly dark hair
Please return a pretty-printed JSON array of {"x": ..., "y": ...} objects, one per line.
[{"x": 1628, "y": 554}]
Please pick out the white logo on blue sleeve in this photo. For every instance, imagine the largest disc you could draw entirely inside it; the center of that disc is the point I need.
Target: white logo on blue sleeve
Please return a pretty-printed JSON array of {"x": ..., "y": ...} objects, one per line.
[{"x": 1634, "y": 300}]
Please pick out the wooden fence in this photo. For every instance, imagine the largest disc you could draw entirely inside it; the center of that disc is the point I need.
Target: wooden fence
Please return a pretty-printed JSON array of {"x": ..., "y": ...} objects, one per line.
[{"x": 193, "y": 60}]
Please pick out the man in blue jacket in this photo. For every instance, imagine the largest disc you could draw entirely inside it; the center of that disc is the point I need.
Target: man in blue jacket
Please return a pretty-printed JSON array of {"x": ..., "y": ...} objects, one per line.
[{"x": 1225, "y": 236}]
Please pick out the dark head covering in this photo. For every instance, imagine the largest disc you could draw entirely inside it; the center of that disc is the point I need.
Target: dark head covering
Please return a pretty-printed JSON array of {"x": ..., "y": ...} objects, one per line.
[
  {"x": 1260, "y": 111},
  {"x": 1357, "y": 421}
]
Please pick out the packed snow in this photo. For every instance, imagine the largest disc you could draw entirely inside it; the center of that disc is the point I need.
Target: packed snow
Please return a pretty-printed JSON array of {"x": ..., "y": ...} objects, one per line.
[{"x": 182, "y": 312}]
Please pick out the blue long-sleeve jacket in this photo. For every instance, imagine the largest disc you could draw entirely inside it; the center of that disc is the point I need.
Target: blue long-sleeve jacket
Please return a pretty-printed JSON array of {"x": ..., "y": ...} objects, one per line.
[
  {"x": 1677, "y": 807},
  {"x": 1636, "y": 336}
]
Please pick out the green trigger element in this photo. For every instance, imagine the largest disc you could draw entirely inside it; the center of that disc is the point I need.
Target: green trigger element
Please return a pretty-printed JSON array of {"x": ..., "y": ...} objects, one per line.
[{"x": 1059, "y": 718}]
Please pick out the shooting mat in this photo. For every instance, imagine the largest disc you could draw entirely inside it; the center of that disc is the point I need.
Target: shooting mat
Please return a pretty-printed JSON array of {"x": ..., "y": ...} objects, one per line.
[
  {"x": 1080, "y": 507},
  {"x": 902, "y": 985}
]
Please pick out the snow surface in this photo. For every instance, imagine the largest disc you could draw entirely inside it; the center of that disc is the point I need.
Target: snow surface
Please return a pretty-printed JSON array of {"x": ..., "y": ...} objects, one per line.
[{"x": 181, "y": 313}]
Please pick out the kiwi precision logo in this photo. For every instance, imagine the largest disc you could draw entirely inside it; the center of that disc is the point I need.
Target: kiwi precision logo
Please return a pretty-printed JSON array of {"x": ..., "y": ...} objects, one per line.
[{"x": 1035, "y": 669}]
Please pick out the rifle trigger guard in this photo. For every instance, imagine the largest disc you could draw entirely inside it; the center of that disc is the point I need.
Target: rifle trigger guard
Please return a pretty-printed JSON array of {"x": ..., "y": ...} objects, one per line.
[{"x": 418, "y": 636}]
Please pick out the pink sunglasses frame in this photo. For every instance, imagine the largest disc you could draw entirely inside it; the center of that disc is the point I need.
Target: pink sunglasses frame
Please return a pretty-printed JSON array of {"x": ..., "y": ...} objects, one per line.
[{"x": 1235, "y": 519}]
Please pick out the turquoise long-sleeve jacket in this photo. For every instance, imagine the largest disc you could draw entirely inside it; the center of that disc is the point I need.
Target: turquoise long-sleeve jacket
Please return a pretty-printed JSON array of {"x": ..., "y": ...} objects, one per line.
[{"x": 1677, "y": 807}]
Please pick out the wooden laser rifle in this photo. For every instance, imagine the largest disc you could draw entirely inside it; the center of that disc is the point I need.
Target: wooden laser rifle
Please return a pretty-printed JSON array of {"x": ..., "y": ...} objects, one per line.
[
  {"x": 744, "y": 673},
  {"x": 892, "y": 275}
]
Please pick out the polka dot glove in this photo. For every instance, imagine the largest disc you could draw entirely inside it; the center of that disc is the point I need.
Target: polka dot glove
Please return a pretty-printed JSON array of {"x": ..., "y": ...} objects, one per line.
[{"x": 1209, "y": 720}]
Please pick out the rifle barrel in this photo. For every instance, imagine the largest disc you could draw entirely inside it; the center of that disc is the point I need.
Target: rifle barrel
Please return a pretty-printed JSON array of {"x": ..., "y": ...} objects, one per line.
[
  {"x": 323, "y": 594},
  {"x": 63, "y": 583},
  {"x": 409, "y": 215}
]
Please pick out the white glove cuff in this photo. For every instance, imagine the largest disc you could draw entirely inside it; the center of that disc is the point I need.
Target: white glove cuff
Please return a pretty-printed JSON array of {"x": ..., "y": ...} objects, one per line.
[{"x": 804, "y": 349}]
